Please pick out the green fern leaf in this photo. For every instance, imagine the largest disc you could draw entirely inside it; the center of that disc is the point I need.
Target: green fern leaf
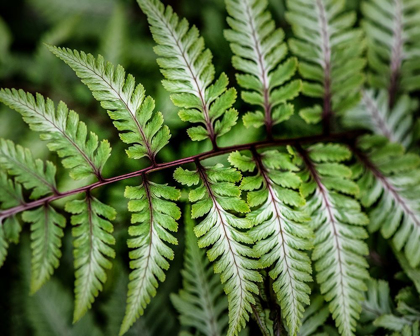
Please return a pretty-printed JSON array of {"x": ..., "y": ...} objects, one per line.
[
  {"x": 92, "y": 239},
  {"x": 330, "y": 55},
  {"x": 412, "y": 272},
  {"x": 32, "y": 174},
  {"x": 10, "y": 196},
  {"x": 3, "y": 246},
  {"x": 413, "y": 330},
  {"x": 374, "y": 114},
  {"x": 392, "y": 27},
  {"x": 281, "y": 231},
  {"x": 377, "y": 302},
  {"x": 46, "y": 233},
  {"x": 259, "y": 48},
  {"x": 314, "y": 316},
  {"x": 66, "y": 135},
  {"x": 223, "y": 231},
  {"x": 126, "y": 103},
  {"x": 338, "y": 223},
  {"x": 201, "y": 303},
  {"x": 389, "y": 180},
  {"x": 156, "y": 213},
  {"x": 189, "y": 73}
]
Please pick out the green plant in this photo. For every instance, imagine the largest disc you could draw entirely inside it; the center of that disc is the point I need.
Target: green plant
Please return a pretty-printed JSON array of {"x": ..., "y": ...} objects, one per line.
[{"x": 280, "y": 218}]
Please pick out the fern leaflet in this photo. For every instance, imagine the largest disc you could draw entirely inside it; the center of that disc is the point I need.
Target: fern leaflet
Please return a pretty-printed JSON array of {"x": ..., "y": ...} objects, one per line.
[
  {"x": 156, "y": 214},
  {"x": 126, "y": 103},
  {"x": 10, "y": 196},
  {"x": 338, "y": 225},
  {"x": 281, "y": 232},
  {"x": 390, "y": 178},
  {"x": 46, "y": 232},
  {"x": 373, "y": 113},
  {"x": 66, "y": 135},
  {"x": 32, "y": 174},
  {"x": 223, "y": 231},
  {"x": 330, "y": 55},
  {"x": 189, "y": 73},
  {"x": 92, "y": 239},
  {"x": 201, "y": 303},
  {"x": 259, "y": 48},
  {"x": 393, "y": 48}
]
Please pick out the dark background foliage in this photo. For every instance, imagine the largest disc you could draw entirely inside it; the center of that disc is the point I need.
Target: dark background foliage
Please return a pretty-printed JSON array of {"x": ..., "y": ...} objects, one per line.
[{"x": 118, "y": 30}]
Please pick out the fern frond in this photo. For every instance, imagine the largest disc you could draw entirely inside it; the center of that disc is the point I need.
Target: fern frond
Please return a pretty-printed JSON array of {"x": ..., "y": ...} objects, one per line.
[
  {"x": 259, "y": 49},
  {"x": 413, "y": 273},
  {"x": 81, "y": 152},
  {"x": 3, "y": 245},
  {"x": 155, "y": 211},
  {"x": 377, "y": 302},
  {"x": 280, "y": 229},
  {"x": 330, "y": 53},
  {"x": 189, "y": 72},
  {"x": 46, "y": 232},
  {"x": 392, "y": 29},
  {"x": 373, "y": 113},
  {"x": 413, "y": 330},
  {"x": 389, "y": 180},
  {"x": 215, "y": 196},
  {"x": 314, "y": 316},
  {"x": 406, "y": 314},
  {"x": 126, "y": 103},
  {"x": 10, "y": 196},
  {"x": 92, "y": 249},
  {"x": 31, "y": 173},
  {"x": 338, "y": 223},
  {"x": 201, "y": 303}
]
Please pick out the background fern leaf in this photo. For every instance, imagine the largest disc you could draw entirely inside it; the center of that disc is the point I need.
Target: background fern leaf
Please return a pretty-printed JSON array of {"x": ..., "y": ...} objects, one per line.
[
  {"x": 338, "y": 223},
  {"x": 330, "y": 55},
  {"x": 223, "y": 233},
  {"x": 392, "y": 29},
  {"x": 201, "y": 303},
  {"x": 189, "y": 72},
  {"x": 46, "y": 232},
  {"x": 66, "y": 135},
  {"x": 373, "y": 113},
  {"x": 156, "y": 215},
  {"x": 281, "y": 231},
  {"x": 92, "y": 249},
  {"x": 389, "y": 180},
  {"x": 126, "y": 103},
  {"x": 31, "y": 173},
  {"x": 259, "y": 48}
]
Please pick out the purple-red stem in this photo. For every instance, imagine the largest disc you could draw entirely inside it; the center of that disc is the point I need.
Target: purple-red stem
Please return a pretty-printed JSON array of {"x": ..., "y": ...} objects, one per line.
[{"x": 191, "y": 159}]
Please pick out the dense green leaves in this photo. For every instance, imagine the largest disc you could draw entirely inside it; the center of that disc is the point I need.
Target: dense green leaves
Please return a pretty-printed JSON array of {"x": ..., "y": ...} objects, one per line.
[
  {"x": 46, "y": 232},
  {"x": 330, "y": 54},
  {"x": 126, "y": 103},
  {"x": 189, "y": 73},
  {"x": 390, "y": 179},
  {"x": 32, "y": 174},
  {"x": 201, "y": 303},
  {"x": 337, "y": 221},
  {"x": 225, "y": 235},
  {"x": 281, "y": 231},
  {"x": 92, "y": 239},
  {"x": 392, "y": 28},
  {"x": 81, "y": 152},
  {"x": 154, "y": 218},
  {"x": 259, "y": 50}
]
